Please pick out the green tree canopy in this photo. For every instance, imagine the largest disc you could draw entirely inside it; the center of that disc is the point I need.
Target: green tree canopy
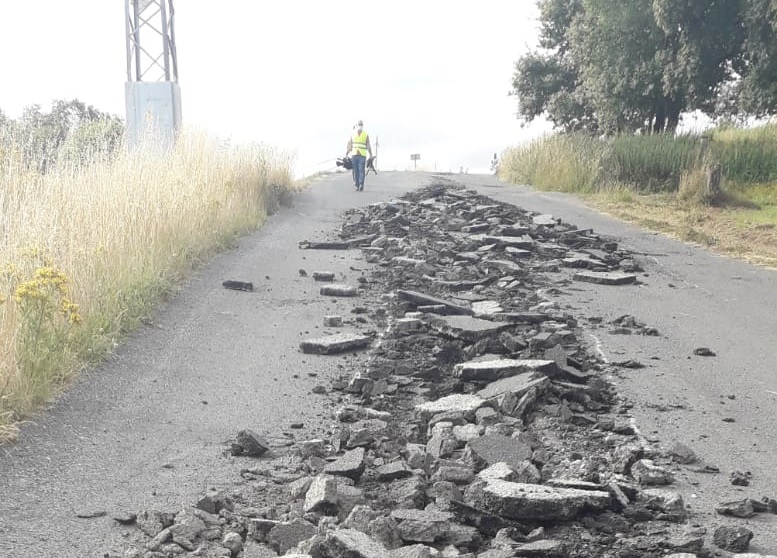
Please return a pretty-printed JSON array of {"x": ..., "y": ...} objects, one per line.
[
  {"x": 636, "y": 65},
  {"x": 614, "y": 45},
  {"x": 756, "y": 91}
]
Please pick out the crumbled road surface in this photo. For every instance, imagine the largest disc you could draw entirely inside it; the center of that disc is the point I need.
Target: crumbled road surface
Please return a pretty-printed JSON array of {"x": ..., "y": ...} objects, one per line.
[{"x": 152, "y": 428}]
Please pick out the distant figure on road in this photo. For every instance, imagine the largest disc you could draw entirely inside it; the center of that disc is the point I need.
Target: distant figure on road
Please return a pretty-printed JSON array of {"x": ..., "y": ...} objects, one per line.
[
  {"x": 358, "y": 149},
  {"x": 495, "y": 164}
]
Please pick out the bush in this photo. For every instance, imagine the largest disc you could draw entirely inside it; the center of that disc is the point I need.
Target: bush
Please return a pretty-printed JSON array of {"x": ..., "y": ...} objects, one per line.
[
  {"x": 694, "y": 186},
  {"x": 70, "y": 133}
]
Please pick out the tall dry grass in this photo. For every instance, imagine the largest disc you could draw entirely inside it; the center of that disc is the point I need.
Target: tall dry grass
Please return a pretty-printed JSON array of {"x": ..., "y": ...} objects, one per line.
[
  {"x": 87, "y": 250},
  {"x": 644, "y": 164},
  {"x": 564, "y": 163},
  {"x": 669, "y": 184}
]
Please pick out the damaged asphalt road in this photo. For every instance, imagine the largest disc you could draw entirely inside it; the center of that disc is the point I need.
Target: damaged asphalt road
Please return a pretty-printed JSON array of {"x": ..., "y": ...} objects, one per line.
[{"x": 481, "y": 420}]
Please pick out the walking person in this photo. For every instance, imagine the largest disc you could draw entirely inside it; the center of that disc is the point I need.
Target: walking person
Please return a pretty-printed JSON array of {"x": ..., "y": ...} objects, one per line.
[{"x": 358, "y": 149}]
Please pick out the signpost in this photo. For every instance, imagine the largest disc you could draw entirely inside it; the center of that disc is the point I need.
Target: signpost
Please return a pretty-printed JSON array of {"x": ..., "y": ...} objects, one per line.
[{"x": 415, "y": 157}]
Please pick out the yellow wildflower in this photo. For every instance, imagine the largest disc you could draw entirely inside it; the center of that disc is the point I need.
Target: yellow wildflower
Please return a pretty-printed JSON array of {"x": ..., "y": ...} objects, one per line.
[
  {"x": 70, "y": 310},
  {"x": 53, "y": 276},
  {"x": 29, "y": 290}
]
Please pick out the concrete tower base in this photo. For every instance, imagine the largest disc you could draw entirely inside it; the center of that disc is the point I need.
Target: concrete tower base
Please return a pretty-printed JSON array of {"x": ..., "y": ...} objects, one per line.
[{"x": 153, "y": 113}]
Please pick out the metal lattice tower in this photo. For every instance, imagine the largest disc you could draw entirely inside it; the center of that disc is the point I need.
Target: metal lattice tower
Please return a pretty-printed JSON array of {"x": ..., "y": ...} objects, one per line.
[
  {"x": 152, "y": 93},
  {"x": 151, "y": 53}
]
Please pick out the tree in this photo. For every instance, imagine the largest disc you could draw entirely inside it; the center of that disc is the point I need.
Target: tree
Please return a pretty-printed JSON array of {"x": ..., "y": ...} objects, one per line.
[
  {"x": 756, "y": 91},
  {"x": 547, "y": 83},
  {"x": 702, "y": 45},
  {"x": 637, "y": 65},
  {"x": 614, "y": 46}
]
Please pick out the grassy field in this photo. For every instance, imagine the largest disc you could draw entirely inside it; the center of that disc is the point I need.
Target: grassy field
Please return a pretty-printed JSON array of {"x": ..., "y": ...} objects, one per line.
[
  {"x": 87, "y": 251},
  {"x": 658, "y": 183}
]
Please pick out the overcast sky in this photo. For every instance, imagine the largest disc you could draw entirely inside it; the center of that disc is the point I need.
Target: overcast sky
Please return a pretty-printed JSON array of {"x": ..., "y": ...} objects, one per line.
[{"x": 426, "y": 76}]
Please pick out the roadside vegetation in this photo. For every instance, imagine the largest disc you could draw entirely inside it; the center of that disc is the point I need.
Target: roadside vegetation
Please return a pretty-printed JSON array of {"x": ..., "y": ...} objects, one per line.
[
  {"x": 93, "y": 236},
  {"x": 615, "y": 79},
  {"x": 660, "y": 183}
]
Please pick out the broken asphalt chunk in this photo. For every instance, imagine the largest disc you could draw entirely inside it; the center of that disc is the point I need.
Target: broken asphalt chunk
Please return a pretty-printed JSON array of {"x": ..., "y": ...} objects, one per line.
[
  {"x": 338, "y": 290},
  {"x": 321, "y": 495},
  {"x": 333, "y": 344},
  {"x": 739, "y": 508},
  {"x": 393, "y": 471},
  {"x": 632, "y": 364},
  {"x": 476, "y": 228},
  {"x": 668, "y": 503},
  {"x": 491, "y": 449},
  {"x": 333, "y": 321},
  {"x": 492, "y": 370},
  {"x": 90, "y": 514},
  {"x": 286, "y": 535},
  {"x": 421, "y": 525},
  {"x": 682, "y": 454},
  {"x": 324, "y": 276},
  {"x": 520, "y": 317},
  {"x": 517, "y": 386},
  {"x": 605, "y": 278},
  {"x": 467, "y": 328},
  {"x": 214, "y": 501},
  {"x": 738, "y": 478},
  {"x": 534, "y": 502},
  {"x": 465, "y": 404},
  {"x": 646, "y": 472},
  {"x": 238, "y": 285},
  {"x": 124, "y": 518},
  {"x": 506, "y": 266},
  {"x": 308, "y": 245},
  {"x": 545, "y": 220},
  {"x": 406, "y": 261},
  {"x": 351, "y": 464},
  {"x": 733, "y": 539},
  {"x": 522, "y": 242},
  {"x": 421, "y": 299},
  {"x": 350, "y": 543},
  {"x": 458, "y": 286},
  {"x": 250, "y": 444}
]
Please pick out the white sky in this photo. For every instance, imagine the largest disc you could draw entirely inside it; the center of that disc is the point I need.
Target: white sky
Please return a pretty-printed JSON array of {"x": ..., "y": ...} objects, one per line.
[{"x": 426, "y": 76}]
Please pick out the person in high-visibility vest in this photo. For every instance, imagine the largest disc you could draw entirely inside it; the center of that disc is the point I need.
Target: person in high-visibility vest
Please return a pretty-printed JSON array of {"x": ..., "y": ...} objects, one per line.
[{"x": 358, "y": 149}]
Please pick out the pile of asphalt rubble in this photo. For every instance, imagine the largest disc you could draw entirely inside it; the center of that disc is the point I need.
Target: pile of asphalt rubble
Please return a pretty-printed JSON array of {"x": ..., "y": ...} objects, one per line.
[{"x": 480, "y": 426}]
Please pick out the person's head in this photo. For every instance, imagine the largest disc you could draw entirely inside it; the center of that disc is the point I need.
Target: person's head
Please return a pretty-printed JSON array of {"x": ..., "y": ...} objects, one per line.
[{"x": 360, "y": 125}]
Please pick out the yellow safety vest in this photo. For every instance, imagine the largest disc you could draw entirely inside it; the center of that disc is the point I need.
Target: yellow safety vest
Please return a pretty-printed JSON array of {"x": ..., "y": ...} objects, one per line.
[{"x": 359, "y": 144}]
